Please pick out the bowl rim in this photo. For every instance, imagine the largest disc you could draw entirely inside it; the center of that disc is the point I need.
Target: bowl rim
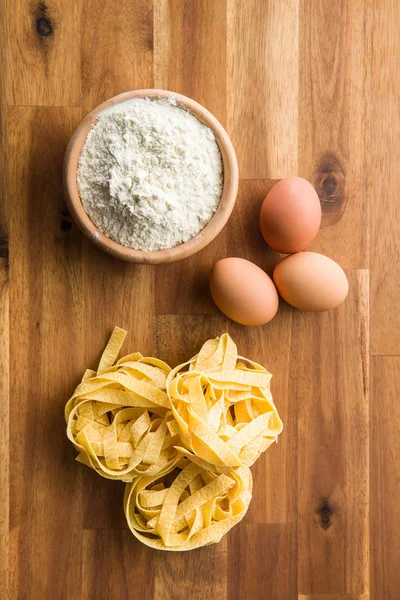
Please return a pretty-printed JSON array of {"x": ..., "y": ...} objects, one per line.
[{"x": 195, "y": 244}]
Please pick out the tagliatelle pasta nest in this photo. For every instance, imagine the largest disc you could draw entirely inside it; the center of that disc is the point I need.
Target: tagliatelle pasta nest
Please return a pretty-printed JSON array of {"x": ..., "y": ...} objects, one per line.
[
  {"x": 118, "y": 417},
  {"x": 223, "y": 405},
  {"x": 182, "y": 439},
  {"x": 189, "y": 508}
]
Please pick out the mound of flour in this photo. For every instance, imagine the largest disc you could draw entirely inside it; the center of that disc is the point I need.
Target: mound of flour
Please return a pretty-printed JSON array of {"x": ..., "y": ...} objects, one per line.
[{"x": 150, "y": 175}]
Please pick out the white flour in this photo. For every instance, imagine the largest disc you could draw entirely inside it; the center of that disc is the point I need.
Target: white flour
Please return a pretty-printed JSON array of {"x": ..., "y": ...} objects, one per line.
[{"x": 150, "y": 175}]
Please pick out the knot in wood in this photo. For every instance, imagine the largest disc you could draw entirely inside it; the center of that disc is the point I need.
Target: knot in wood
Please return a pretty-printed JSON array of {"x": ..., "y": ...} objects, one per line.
[
  {"x": 44, "y": 26},
  {"x": 43, "y": 23},
  {"x": 325, "y": 514},
  {"x": 3, "y": 246},
  {"x": 65, "y": 225},
  {"x": 330, "y": 186}
]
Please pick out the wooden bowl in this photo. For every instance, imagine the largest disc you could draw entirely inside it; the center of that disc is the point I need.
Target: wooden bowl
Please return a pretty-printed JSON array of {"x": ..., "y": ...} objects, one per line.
[{"x": 199, "y": 241}]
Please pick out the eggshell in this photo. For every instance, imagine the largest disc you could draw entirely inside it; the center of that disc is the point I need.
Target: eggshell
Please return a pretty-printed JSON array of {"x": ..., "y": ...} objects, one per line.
[
  {"x": 311, "y": 281},
  {"x": 243, "y": 291},
  {"x": 290, "y": 216}
]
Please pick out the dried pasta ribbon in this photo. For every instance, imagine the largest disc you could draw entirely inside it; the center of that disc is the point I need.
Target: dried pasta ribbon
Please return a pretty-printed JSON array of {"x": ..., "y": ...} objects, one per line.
[
  {"x": 188, "y": 508},
  {"x": 223, "y": 406},
  {"x": 183, "y": 440},
  {"x": 119, "y": 418}
]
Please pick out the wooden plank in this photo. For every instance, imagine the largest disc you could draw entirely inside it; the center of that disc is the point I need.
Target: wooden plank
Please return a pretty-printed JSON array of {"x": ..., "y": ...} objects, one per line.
[
  {"x": 199, "y": 574},
  {"x": 329, "y": 377},
  {"x": 117, "y": 293},
  {"x": 45, "y": 357},
  {"x": 274, "y": 495},
  {"x": 241, "y": 237},
  {"x": 190, "y": 50},
  {"x": 117, "y": 53},
  {"x": 275, "y": 472},
  {"x": 334, "y": 597},
  {"x": 122, "y": 294},
  {"x": 117, "y": 48},
  {"x": 331, "y": 125},
  {"x": 4, "y": 327},
  {"x": 4, "y": 430},
  {"x": 189, "y": 333},
  {"x": 102, "y": 502},
  {"x": 3, "y": 136},
  {"x": 263, "y": 86},
  {"x": 43, "y": 48},
  {"x": 262, "y": 562},
  {"x": 190, "y": 58},
  {"x": 115, "y": 565},
  {"x": 385, "y": 477},
  {"x": 381, "y": 172}
]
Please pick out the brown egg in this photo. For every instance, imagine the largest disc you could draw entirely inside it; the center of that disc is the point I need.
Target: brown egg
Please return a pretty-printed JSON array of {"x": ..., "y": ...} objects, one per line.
[
  {"x": 243, "y": 291},
  {"x": 290, "y": 215},
  {"x": 311, "y": 281}
]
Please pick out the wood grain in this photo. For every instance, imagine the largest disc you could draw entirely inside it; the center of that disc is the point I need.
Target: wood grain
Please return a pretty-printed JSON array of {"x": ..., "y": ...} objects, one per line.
[
  {"x": 117, "y": 49},
  {"x": 125, "y": 297},
  {"x": 385, "y": 477},
  {"x": 43, "y": 49},
  {"x": 4, "y": 326},
  {"x": 263, "y": 560},
  {"x": 331, "y": 125},
  {"x": 3, "y": 135},
  {"x": 190, "y": 51},
  {"x": 4, "y": 429},
  {"x": 102, "y": 503},
  {"x": 46, "y": 322},
  {"x": 115, "y": 565},
  {"x": 383, "y": 179},
  {"x": 333, "y": 597},
  {"x": 201, "y": 574},
  {"x": 330, "y": 389},
  {"x": 275, "y": 473},
  {"x": 263, "y": 86}
]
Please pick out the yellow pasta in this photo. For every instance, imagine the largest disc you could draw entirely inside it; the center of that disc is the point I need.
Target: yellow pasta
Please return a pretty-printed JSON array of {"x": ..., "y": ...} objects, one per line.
[
  {"x": 182, "y": 439},
  {"x": 188, "y": 508},
  {"x": 119, "y": 417},
  {"x": 223, "y": 406}
]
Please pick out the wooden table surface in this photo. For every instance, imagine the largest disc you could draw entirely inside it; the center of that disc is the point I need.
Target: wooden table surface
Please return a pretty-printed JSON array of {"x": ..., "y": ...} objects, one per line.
[{"x": 303, "y": 87}]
